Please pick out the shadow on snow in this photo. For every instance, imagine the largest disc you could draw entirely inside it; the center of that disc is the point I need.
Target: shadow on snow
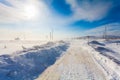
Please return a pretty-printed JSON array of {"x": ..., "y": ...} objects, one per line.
[{"x": 29, "y": 65}]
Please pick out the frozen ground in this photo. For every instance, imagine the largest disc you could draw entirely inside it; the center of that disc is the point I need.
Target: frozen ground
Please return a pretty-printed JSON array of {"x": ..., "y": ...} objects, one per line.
[
  {"x": 110, "y": 49},
  {"x": 108, "y": 56},
  {"x": 96, "y": 60},
  {"x": 30, "y": 62},
  {"x": 62, "y": 60},
  {"x": 76, "y": 64}
]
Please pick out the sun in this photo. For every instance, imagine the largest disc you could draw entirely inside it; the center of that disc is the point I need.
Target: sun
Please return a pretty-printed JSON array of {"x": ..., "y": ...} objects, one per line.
[{"x": 30, "y": 11}]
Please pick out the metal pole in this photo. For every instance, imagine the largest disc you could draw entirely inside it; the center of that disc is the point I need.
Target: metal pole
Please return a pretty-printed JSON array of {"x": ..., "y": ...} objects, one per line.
[
  {"x": 52, "y": 33},
  {"x": 105, "y": 32}
]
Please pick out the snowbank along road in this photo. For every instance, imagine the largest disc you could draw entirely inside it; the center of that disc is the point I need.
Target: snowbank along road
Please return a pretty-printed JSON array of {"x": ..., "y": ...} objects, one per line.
[{"x": 31, "y": 62}]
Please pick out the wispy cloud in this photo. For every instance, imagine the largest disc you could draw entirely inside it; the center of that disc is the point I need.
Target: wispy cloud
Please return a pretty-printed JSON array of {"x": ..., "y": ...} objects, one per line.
[
  {"x": 42, "y": 24},
  {"x": 17, "y": 12},
  {"x": 89, "y": 10}
]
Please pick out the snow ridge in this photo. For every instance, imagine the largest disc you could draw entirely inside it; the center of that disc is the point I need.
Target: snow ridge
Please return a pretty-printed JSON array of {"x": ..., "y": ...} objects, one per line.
[{"x": 31, "y": 62}]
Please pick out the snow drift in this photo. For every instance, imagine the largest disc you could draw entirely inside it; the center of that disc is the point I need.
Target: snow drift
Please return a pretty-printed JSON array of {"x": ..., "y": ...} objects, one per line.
[
  {"x": 31, "y": 62},
  {"x": 107, "y": 55}
]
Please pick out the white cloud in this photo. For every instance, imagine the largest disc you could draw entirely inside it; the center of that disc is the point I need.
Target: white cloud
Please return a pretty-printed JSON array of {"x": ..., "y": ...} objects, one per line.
[
  {"x": 89, "y": 10},
  {"x": 34, "y": 28},
  {"x": 18, "y": 11}
]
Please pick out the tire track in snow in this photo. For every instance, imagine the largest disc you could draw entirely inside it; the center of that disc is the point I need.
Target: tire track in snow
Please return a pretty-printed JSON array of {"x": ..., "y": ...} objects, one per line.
[{"x": 76, "y": 64}]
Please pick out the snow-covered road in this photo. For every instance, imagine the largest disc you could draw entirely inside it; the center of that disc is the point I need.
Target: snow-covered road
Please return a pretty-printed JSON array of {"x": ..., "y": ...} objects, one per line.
[{"x": 76, "y": 64}]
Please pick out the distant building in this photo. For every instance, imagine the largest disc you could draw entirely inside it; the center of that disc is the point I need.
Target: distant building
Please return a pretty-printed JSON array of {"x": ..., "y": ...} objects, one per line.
[{"x": 17, "y": 39}]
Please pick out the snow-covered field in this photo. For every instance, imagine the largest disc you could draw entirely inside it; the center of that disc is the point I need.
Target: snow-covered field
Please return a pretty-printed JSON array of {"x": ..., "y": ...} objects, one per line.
[
  {"x": 60, "y": 60},
  {"x": 107, "y": 54},
  {"x": 9, "y": 47},
  {"x": 27, "y": 64}
]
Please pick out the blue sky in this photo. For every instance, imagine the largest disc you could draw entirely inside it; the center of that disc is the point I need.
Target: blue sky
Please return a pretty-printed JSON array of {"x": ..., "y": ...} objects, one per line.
[
  {"x": 68, "y": 18},
  {"x": 112, "y": 13}
]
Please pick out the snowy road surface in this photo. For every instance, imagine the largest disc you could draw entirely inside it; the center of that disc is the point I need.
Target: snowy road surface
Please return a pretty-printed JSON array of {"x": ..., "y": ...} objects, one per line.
[{"x": 76, "y": 64}]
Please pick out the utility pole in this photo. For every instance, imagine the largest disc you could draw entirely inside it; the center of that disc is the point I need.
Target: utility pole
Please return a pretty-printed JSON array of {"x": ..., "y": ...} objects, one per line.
[
  {"x": 52, "y": 33},
  {"x": 88, "y": 37},
  {"x": 105, "y": 34}
]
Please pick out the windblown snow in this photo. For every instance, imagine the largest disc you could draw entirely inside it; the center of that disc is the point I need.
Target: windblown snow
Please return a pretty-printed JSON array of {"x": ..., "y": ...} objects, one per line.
[
  {"x": 29, "y": 63},
  {"x": 76, "y": 64},
  {"x": 63, "y": 60},
  {"x": 9, "y": 47}
]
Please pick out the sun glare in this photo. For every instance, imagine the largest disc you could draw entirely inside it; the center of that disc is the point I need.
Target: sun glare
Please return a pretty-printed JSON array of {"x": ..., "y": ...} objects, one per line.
[{"x": 30, "y": 11}]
